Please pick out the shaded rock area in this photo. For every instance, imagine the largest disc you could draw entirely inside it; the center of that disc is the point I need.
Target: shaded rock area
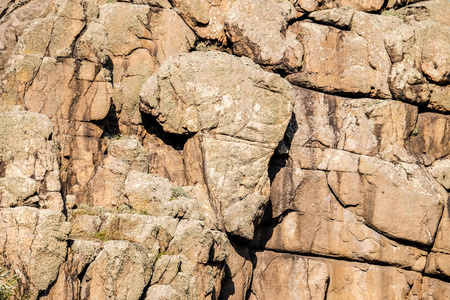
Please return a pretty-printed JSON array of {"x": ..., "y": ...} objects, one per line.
[{"x": 225, "y": 149}]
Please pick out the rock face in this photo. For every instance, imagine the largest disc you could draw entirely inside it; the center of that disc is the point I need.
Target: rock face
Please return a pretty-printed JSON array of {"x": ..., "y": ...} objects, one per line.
[
  {"x": 33, "y": 245},
  {"x": 28, "y": 161},
  {"x": 224, "y": 149},
  {"x": 239, "y": 114}
]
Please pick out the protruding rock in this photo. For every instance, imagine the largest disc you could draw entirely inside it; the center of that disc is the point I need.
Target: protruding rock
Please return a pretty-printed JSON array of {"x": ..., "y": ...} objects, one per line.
[
  {"x": 121, "y": 270},
  {"x": 337, "y": 229},
  {"x": 106, "y": 188},
  {"x": 235, "y": 140},
  {"x": 68, "y": 285},
  {"x": 29, "y": 160},
  {"x": 257, "y": 30}
]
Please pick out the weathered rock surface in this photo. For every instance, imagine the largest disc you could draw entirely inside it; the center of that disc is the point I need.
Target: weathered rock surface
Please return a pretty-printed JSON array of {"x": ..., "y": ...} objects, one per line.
[
  {"x": 338, "y": 231},
  {"x": 344, "y": 62},
  {"x": 106, "y": 188},
  {"x": 286, "y": 276},
  {"x": 33, "y": 244},
  {"x": 430, "y": 141},
  {"x": 121, "y": 270},
  {"x": 244, "y": 132},
  {"x": 190, "y": 176},
  {"x": 28, "y": 161},
  {"x": 380, "y": 128},
  {"x": 265, "y": 42},
  {"x": 185, "y": 256},
  {"x": 68, "y": 285},
  {"x": 317, "y": 278},
  {"x": 79, "y": 61},
  {"x": 205, "y": 17}
]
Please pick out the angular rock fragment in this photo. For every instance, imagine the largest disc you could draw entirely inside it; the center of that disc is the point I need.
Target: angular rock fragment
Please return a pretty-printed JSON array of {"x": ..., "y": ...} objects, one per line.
[
  {"x": 440, "y": 170},
  {"x": 106, "y": 188},
  {"x": 29, "y": 161},
  {"x": 205, "y": 17},
  {"x": 68, "y": 285},
  {"x": 33, "y": 244},
  {"x": 257, "y": 29},
  {"x": 121, "y": 270},
  {"x": 235, "y": 139}
]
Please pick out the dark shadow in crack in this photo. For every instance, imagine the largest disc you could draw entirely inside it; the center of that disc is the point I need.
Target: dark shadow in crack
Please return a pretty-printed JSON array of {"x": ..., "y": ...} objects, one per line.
[
  {"x": 152, "y": 126},
  {"x": 281, "y": 155}
]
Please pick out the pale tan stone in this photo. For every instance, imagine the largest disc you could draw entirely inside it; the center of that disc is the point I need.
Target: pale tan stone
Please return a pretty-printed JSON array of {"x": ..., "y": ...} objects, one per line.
[
  {"x": 430, "y": 140},
  {"x": 207, "y": 18},
  {"x": 106, "y": 187},
  {"x": 246, "y": 132},
  {"x": 121, "y": 271},
  {"x": 16, "y": 191},
  {"x": 284, "y": 276},
  {"x": 440, "y": 170},
  {"x": 256, "y": 29},
  {"x": 433, "y": 288},
  {"x": 338, "y": 61},
  {"x": 365, "y": 126},
  {"x": 30, "y": 239},
  {"x": 317, "y": 223},
  {"x": 68, "y": 284},
  {"x": 402, "y": 200}
]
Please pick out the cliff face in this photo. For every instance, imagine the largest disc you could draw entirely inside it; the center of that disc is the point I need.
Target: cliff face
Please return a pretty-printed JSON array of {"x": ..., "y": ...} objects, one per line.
[{"x": 226, "y": 149}]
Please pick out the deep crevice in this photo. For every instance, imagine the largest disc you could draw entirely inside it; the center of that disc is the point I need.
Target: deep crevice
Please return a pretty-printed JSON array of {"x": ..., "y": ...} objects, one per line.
[
  {"x": 425, "y": 109},
  {"x": 281, "y": 155},
  {"x": 152, "y": 126},
  {"x": 110, "y": 124},
  {"x": 337, "y": 258}
]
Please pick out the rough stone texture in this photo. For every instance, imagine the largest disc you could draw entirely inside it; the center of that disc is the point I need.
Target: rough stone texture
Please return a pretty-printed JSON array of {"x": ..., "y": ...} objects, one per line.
[
  {"x": 281, "y": 276},
  {"x": 239, "y": 273},
  {"x": 17, "y": 191},
  {"x": 265, "y": 42},
  {"x": 420, "y": 61},
  {"x": 362, "y": 5},
  {"x": 315, "y": 278},
  {"x": 33, "y": 244},
  {"x": 342, "y": 197},
  {"x": 337, "y": 61},
  {"x": 338, "y": 231},
  {"x": 205, "y": 17},
  {"x": 440, "y": 170},
  {"x": 409, "y": 203},
  {"x": 106, "y": 188},
  {"x": 82, "y": 60},
  {"x": 28, "y": 161},
  {"x": 380, "y": 128},
  {"x": 181, "y": 94},
  {"x": 187, "y": 255},
  {"x": 431, "y": 141},
  {"x": 141, "y": 188},
  {"x": 120, "y": 271},
  {"x": 68, "y": 285},
  {"x": 164, "y": 160}
]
